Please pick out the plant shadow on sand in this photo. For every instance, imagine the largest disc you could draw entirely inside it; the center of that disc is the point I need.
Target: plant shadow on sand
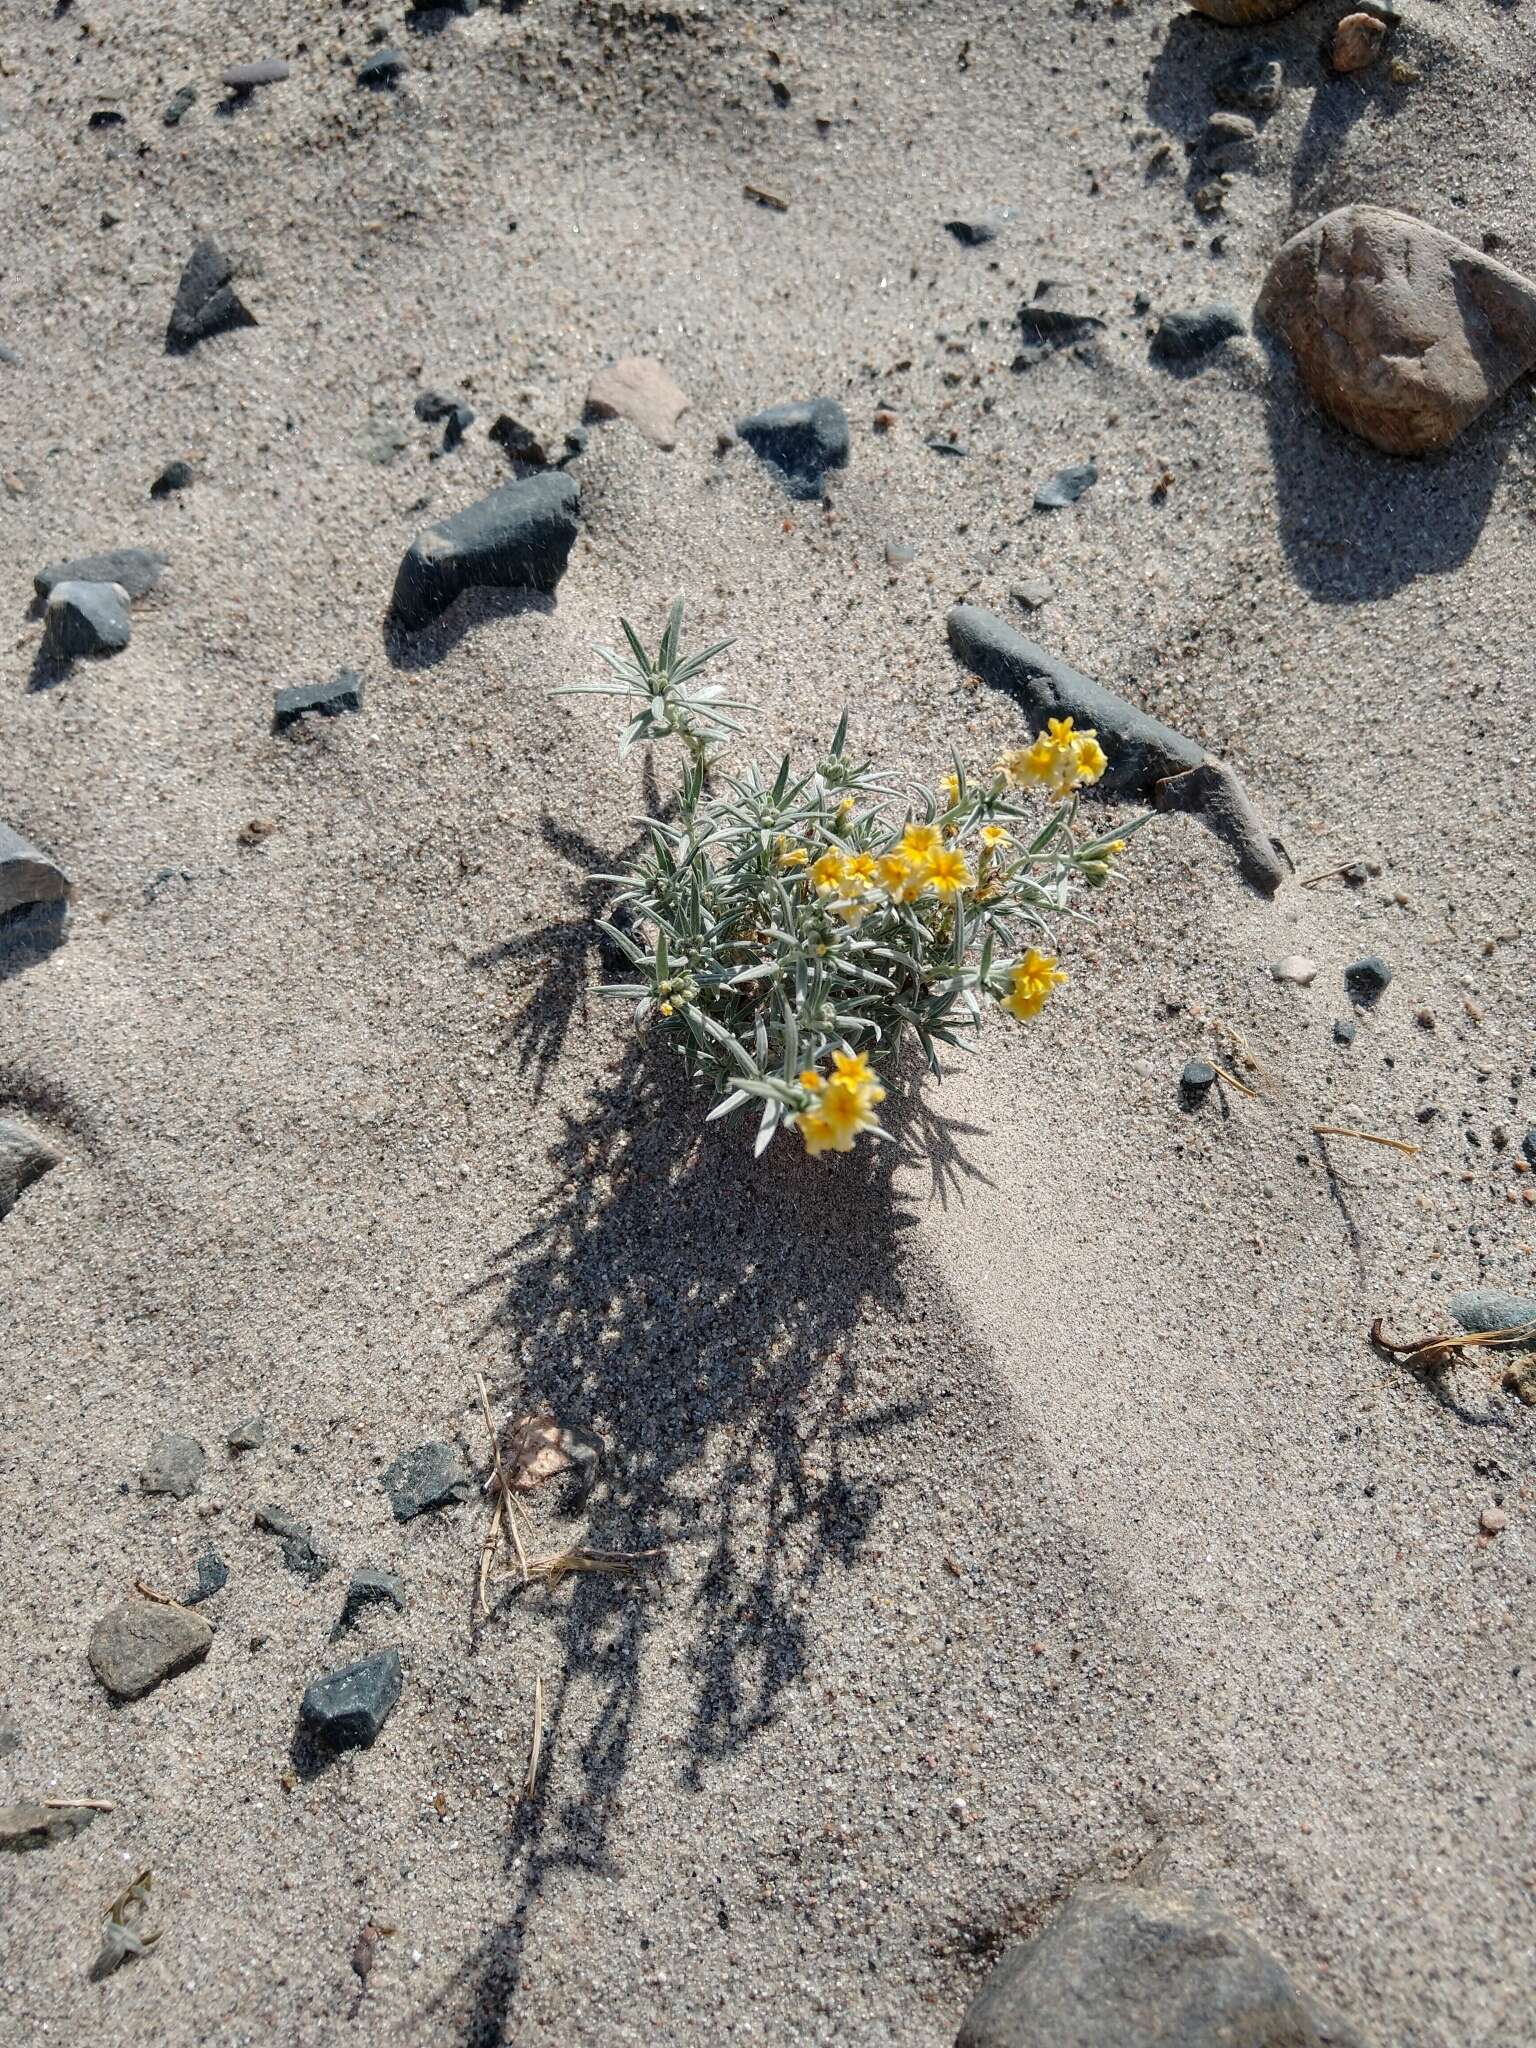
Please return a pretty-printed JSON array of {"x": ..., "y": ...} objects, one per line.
[{"x": 714, "y": 1316}]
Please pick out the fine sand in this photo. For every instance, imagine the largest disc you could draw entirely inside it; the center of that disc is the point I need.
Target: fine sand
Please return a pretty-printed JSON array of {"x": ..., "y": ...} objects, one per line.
[{"x": 1033, "y": 1504}]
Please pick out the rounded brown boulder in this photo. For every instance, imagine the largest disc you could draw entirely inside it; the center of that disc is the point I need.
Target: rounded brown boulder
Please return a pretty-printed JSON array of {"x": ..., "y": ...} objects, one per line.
[{"x": 1399, "y": 331}]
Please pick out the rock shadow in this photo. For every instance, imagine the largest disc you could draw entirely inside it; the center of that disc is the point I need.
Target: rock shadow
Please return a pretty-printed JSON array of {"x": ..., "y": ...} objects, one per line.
[
  {"x": 29, "y": 934},
  {"x": 1357, "y": 524},
  {"x": 706, "y": 1308},
  {"x": 471, "y": 608}
]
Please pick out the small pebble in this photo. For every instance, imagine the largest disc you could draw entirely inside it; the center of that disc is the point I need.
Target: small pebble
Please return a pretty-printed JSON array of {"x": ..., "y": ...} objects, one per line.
[
  {"x": 1033, "y": 593},
  {"x": 180, "y": 102},
  {"x": 1357, "y": 42},
  {"x": 1367, "y": 979},
  {"x": 1344, "y": 1030},
  {"x": 1493, "y": 1521},
  {"x": 1295, "y": 968},
  {"x": 244, "y": 78},
  {"x": 1066, "y": 487},
  {"x": 383, "y": 69},
  {"x": 174, "y": 1466},
  {"x": 174, "y": 477},
  {"x": 1197, "y": 1080},
  {"x": 899, "y": 553}
]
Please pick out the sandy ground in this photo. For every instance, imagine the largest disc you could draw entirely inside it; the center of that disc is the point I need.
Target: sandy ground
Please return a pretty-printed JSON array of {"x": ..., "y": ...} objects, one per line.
[{"x": 1032, "y": 1506}]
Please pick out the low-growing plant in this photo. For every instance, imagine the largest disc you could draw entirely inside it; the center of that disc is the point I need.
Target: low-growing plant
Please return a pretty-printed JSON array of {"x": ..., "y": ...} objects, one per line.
[{"x": 788, "y": 934}]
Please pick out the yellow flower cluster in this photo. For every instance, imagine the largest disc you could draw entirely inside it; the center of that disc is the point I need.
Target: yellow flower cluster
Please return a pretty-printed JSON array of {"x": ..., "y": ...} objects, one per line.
[
  {"x": 840, "y": 1107},
  {"x": 1033, "y": 979},
  {"x": 1061, "y": 758}
]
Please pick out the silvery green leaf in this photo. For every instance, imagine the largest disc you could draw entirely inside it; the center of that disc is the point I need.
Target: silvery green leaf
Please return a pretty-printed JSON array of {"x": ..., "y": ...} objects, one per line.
[{"x": 737, "y": 1099}]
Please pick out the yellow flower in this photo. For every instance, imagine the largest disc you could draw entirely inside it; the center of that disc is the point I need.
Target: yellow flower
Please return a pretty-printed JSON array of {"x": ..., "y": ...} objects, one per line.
[
  {"x": 948, "y": 872},
  {"x": 1089, "y": 759},
  {"x": 1033, "y": 979},
  {"x": 901, "y": 877},
  {"x": 861, "y": 871},
  {"x": 812, "y": 1080},
  {"x": 666, "y": 1009},
  {"x": 993, "y": 836},
  {"x": 919, "y": 841},
  {"x": 1059, "y": 731},
  {"x": 845, "y": 807},
  {"x": 949, "y": 788},
  {"x": 845, "y": 1106},
  {"x": 828, "y": 872},
  {"x": 1115, "y": 846},
  {"x": 791, "y": 856}
]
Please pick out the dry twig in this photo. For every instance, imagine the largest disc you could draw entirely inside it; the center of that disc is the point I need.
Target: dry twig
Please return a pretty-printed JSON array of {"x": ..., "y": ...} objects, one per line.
[
  {"x": 536, "y": 1747},
  {"x": 1421, "y": 1352},
  {"x": 1366, "y": 1137},
  {"x": 1327, "y": 874}
]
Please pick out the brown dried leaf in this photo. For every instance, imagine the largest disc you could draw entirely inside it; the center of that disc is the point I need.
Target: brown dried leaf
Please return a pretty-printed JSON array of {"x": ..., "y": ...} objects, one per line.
[{"x": 540, "y": 1447}]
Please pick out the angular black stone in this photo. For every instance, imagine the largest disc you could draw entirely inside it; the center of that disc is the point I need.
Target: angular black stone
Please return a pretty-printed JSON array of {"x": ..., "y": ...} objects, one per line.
[
  {"x": 432, "y": 405},
  {"x": 346, "y": 1709},
  {"x": 85, "y": 618},
  {"x": 206, "y": 300},
  {"x": 370, "y": 1587},
  {"x": 299, "y": 1552},
  {"x": 179, "y": 104},
  {"x": 518, "y": 443},
  {"x": 519, "y": 537},
  {"x": 1128, "y": 1968},
  {"x": 1367, "y": 980},
  {"x": 382, "y": 69},
  {"x": 1197, "y": 1080},
  {"x": 457, "y": 425},
  {"x": 1045, "y": 329},
  {"x": 801, "y": 440},
  {"x": 1066, "y": 487},
  {"x": 136, "y": 569},
  {"x": 975, "y": 230},
  {"x": 24, "y": 1159},
  {"x": 1141, "y": 750},
  {"x": 212, "y": 1577},
  {"x": 434, "y": 1475},
  {"x": 328, "y": 699},
  {"x": 1185, "y": 337},
  {"x": 174, "y": 477}
]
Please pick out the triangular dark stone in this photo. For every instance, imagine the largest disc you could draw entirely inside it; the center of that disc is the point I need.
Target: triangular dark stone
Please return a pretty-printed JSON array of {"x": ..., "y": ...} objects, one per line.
[{"x": 206, "y": 301}]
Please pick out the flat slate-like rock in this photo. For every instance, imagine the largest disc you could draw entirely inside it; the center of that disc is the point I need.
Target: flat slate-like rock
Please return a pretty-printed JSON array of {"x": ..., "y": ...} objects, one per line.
[
  {"x": 1141, "y": 750},
  {"x": 519, "y": 537},
  {"x": 212, "y": 1577},
  {"x": 1124, "y": 1967},
  {"x": 175, "y": 1465},
  {"x": 800, "y": 440},
  {"x": 434, "y": 1475},
  {"x": 1187, "y": 336},
  {"x": 346, "y": 1709},
  {"x": 39, "y": 1824},
  {"x": 206, "y": 300},
  {"x": 244, "y": 78},
  {"x": 136, "y": 570},
  {"x": 1043, "y": 330},
  {"x": 329, "y": 700},
  {"x": 1404, "y": 334},
  {"x": 1367, "y": 979},
  {"x": 24, "y": 1158},
  {"x": 975, "y": 230},
  {"x": 638, "y": 389},
  {"x": 1493, "y": 1308},
  {"x": 27, "y": 875},
  {"x": 137, "y": 1644},
  {"x": 85, "y": 618}
]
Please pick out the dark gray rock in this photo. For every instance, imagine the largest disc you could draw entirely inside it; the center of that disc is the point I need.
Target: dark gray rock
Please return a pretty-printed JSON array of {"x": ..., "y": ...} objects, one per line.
[
  {"x": 299, "y": 1552},
  {"x": 431, "y": 406},
  {"x": 1045, "y": 329},
  {"x": 106, "y": 117},
  {"x": 179, "y": 105},
  {"x": 85, "y": 618},
  {"x": 1141, "y": 750},
  {"x": 383, "y": 69},
  {"x": 206, "y": 300},
  {"x": 1253, "y": 79},
  {"x": 176, "y": 476},
  {"x": 24, "y": 1158},
  {"x": 35, "y": 1824},
  {"x": 10, "y": 356},
  {"x": 249, "y": 1435},
  {"x": 800, "y": 440},
  {"x": 434, "y": 1475},
  {"x": 136, "y": 570},
  {"x": 975, "y": 230},
  {"x": 372, "y": 1586},
  {"x": 1229, "y": 143},
  {"x": 137, "y": 1644},
  {"x": 1197, "y": 1080},
  {"x": 519, "y": 537},
  {"x": 1367, "y": 980},
  {"x": 521, "y": 445},
  {"x": 212, "y": 1577},
  {"x": 940, "y": 446},
  {"x": 329, "y": 700},
  {"x": 1493, "y": 1308},
  {"x": 27, "y": 876},
  {"x": 457, "y": 425},
  {"x": 1186, "y": 337},
  {"x": 244, "y": 78},
  {"x": 1344, "y": 1030},
  {"x": 346, "y": 1709},
  {"x": 1133, "y": 1968},
  {"x": 1214, "y": 793},
  {"x": 1066, "y": 487},
  {"x": 175, "y": 1465},
  {"x": 1528, "y": 1146}
]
